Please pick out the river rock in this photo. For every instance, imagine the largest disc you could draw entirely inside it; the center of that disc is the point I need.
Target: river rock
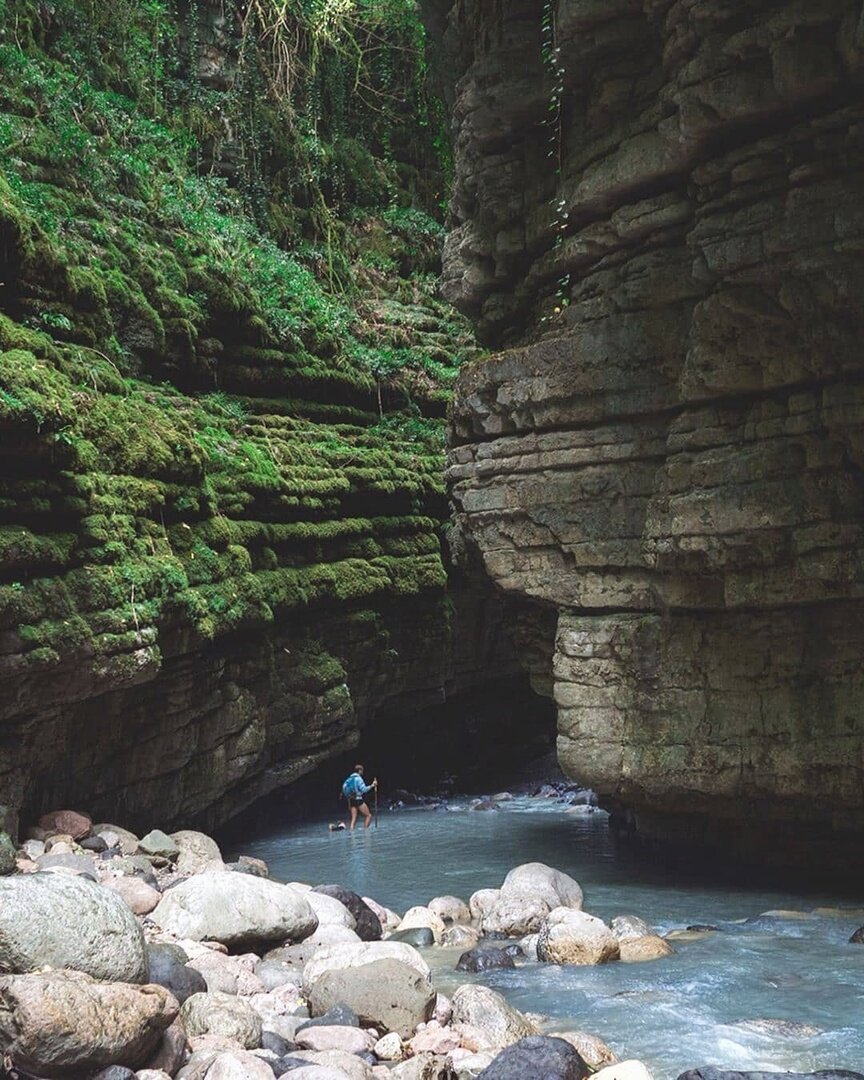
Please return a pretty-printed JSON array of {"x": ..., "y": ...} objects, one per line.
[
  {"x": 173, "y": 1049},
  {"x": 166, "y": 965},
  {"x": 467, "y": 1065},
  {"x": 114, "y": 1072},
  {"x": 389, "y": 919},
  {"x": 58, "y": 921},
  {"x": 138, "y": 896},
  {"x": 649, "y": 947},
  {"x": 230, "y": 974},
  {"x": 421, "y": 937},
  {"x": 593, "y": 1051},
  {"x": 537, "y": 1056},
  {"x": 625, "y": 927},
  {"x": 352, "y": 1040},
  {"x": 61, "y": 1021},
  {"x": 338, "y": 958},
  {"x": 482, "y": 902},
  {"x": 476, "y": 960},
  {"x": 858, "y": 937},
  {"x": 197, "y": 851},
  {"x": 367, "y": 923},
  {"x": 433, "y": 1038},
  {"x": 275, "y": 973},
  {"x": 624, "y": 1070},
  {"x": 461, "y": 937},
  {"x": 71, "y": 822},
  {"x": 222, "y": 1014},
  {"x": 450, "y": 910},
  {"x": 115, "y": 836},
  {"x": 152, "y": 1074},
  {"x": 159, "y": 844},
  {"x": 387, "y": 994},
  {"x": 443, "y": 1009},
  {"x": 333, "y": 935},
  {"x": 487, "y": 1010},
  {"x": 68, "y": 862},
  {"x": 349, "y": 1065},
  {"x": 236, "y": 910},
  {"x": 95, "y": 844},
  {"x": 340, "y": 1015},
  {"x": 422, "y": 918},
  {"x": 423, "y": 1067},
  {"x": 238, "y": 1065},
  {"x": 330, "y": 910},
  {"x": 389, "y": 1047},
  {"x": 553, "y": 887},
  {"x": 568, "y": 936}
]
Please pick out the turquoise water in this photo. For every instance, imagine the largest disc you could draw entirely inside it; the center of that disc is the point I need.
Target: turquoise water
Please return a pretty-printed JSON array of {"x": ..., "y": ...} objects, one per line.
[{"x": 673, "y": 1014}]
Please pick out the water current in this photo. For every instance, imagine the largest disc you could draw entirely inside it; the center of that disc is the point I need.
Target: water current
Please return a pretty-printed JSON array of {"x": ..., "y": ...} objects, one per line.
[{"x": 706, "y": 1004}]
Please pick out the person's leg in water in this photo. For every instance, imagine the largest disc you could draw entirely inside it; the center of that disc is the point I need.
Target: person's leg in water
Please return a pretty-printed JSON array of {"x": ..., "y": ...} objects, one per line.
[
  {"x": 353, "y": 822},
  {"x": 364, "y": 810}
]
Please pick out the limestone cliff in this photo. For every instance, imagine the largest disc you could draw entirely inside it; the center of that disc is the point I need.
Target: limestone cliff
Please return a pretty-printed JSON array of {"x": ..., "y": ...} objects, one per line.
[
  {"x": 658, "y": 219},
  {"x": 223, "y": 373}
]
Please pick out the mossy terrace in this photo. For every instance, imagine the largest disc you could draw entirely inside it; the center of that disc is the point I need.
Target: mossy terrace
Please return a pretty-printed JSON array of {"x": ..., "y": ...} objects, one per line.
[{"x": 221, "y": 390}]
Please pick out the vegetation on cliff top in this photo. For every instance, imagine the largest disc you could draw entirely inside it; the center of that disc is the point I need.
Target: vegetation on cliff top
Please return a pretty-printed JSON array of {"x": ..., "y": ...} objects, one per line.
[{"x": 223, "y": 363}]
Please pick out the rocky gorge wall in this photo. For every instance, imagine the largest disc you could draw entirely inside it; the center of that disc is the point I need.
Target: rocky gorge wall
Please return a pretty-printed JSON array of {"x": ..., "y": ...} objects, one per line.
[
  {"x": 222, "y": 388},
  {"x": 658, "y": 225}
]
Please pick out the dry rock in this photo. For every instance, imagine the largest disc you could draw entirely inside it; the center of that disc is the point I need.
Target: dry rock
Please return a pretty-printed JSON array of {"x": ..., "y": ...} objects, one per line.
[
  {"x": 575, "y": 937},
  {"x": 487, "y": 1011}
]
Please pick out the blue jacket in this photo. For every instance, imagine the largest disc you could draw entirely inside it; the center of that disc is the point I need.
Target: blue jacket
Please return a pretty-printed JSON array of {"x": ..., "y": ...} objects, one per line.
[{"x": 358, "y": 785}]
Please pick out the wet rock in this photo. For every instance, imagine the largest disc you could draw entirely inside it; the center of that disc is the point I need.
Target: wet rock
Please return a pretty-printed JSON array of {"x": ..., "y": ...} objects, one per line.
[
  {"x": 537, "y": 1056},
  {"x": 624, "y": 927},
  {"x": 59, "y": 1021},
  {"x": 389, "y": 919},
  {"x": 487, "y": 1011},
  {"x": 222, "y": 1014},
  {"x": 593, "y": 1051},
  {"x": 574, "y": 937},
  {"x": 420, "y": 937},
  {"x": 450, "y": 910},
  {"x": 482, "y": 902},
  {"x": 387, "y": 994},
  {"x": 462, "y": 937},
  {"x": 197, "y": 851},
  {"x": 527, "y": 895},
  {"x": 70, "y": 822},
  {"x": 367, "y": 923},
  {"x": 61, "y": 921},
  {"x": 784, "y": 1029},
  {"x": 639, "y": 949},
  {"x": 159, "y": 844},
  {"x": 235, "y": 909},
  {"x": 858, "y": 937},
  {"x": 482, "y": 804},
  {"x": 422, "y": 918},
  {"x": 476, "y": 960},
  {"x": 167, "y": 967}
]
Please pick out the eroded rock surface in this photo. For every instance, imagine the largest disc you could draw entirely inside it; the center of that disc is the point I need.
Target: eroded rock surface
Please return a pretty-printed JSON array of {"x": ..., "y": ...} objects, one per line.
[{"x": 669, "y": 449}]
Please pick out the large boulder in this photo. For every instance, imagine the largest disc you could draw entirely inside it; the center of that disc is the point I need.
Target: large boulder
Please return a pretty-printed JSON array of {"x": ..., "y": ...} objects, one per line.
[
  {"x": 648, "y": 947},
  {"x": 63, "y": 921},
  {"x": 450, "y": 910},
  {"x": 340, "y": 957},
  {"x": 61, "y": 1022},
  {"x": 627, "y": 927},
  {"x": 574, "y": 937},
  {"x": 487, "y": 1011},
  {"x": 387, "y": 994},
  {"x": 528, "y": 894},
  {"x": 367, "y": 923},
  {"x": 593, "y": 1051},
  {"x": 166, "y": 966},
  {"x": 330, "y": 911},
  {"x": 477, "y": 960},
  {"x": 236, "y": 909},
  {"x": 482, "y": 902},
  {"x": 67, "y": 822},
  {"x": 222, "y": 1014},
  {"x": 537, "y": 1056},
  {"x": 421, "y": 918},
  {"x": 197, "y": 851}
]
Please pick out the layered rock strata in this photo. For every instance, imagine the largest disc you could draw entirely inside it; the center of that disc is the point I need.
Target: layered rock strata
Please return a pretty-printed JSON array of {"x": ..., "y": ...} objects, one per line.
[{"x": 658, "y": 212}]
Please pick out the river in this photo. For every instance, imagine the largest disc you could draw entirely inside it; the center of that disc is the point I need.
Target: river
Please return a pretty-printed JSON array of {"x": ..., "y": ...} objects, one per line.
[{"x": 694, "y": 1008}]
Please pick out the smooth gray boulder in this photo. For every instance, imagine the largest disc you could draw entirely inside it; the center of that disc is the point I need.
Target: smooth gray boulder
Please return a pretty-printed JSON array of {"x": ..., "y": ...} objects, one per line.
[
  {"x": 61, "y": 1022},
  {"x": 222, "y": 1014},
  {"x": 386, "y": 994},
  {"x": 197, "y": 851},
  {"x": 368, "y": 925},
  {"x": 65, "y": 921},
  {"x": 236, "y": 910},
  {"x": 159, "y": 844},
  {"x": 487, "y": 1010}
]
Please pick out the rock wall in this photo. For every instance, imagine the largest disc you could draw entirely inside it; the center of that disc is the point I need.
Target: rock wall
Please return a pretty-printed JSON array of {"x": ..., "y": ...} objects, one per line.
[{"x": 658, "y": 222}]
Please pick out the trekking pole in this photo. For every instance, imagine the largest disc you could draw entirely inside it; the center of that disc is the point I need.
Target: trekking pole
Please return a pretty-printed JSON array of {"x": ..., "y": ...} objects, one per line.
[{"x": 376, "y": 806}]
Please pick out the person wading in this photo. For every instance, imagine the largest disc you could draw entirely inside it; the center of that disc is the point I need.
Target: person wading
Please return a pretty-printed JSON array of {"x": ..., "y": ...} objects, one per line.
[{"x": 355, "y": 789}]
